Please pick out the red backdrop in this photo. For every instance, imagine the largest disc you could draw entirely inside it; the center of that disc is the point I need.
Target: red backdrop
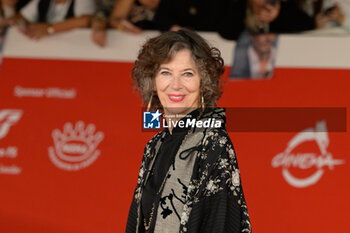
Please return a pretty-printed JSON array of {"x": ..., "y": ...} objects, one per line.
[{"x": 38, "y": 195}]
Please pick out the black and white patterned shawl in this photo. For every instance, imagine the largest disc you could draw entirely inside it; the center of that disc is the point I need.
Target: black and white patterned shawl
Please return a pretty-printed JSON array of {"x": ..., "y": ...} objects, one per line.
[{"x": 211, "y": 198}]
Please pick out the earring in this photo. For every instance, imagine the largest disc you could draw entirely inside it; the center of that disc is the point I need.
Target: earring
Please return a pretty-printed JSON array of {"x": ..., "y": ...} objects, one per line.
[
  {"x": 202, "y": 103},
  {"x": 149, "y": 103}
]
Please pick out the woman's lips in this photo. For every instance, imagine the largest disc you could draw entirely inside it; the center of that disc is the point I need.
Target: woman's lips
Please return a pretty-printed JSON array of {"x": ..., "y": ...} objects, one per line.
[{"x": 176, "y": 98}]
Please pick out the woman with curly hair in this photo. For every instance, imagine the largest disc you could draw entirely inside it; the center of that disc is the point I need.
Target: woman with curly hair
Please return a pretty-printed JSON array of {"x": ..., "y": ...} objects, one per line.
[{"x": 189, "y": 179}]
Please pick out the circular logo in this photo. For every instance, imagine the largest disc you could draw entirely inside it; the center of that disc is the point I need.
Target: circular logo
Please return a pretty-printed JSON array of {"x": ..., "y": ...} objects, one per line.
[{"x": 306, "y": 161}]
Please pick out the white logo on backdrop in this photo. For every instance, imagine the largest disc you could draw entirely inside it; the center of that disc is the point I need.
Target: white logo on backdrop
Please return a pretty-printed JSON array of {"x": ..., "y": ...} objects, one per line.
[
  {"x": 305, "y": 161},
  {"x": 8, "y": 117},
  {"x": 49, "y": 92},
  {"x": 75, "y": 148},
  {"x": 10, "y": 152}
]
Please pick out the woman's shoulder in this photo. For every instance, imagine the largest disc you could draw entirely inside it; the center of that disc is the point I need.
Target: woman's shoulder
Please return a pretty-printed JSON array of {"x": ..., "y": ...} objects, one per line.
[
  {"x": 217, "y": 132},
  {"x": 153, "y": 142},
  {"x": 218, "y": 136},
  {"x": 218, "y": 145},
  {"x": 156, "y": 138}
]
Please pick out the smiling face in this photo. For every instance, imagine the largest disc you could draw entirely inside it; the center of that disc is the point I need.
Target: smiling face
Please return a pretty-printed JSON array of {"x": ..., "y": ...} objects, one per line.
[
  {"x": 263, "y": 43},
  {"x": 178, "y": 84}
]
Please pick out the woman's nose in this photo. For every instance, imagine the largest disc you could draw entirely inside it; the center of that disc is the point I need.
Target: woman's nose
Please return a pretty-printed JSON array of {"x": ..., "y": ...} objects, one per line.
[{"x": 176, "y": 83}]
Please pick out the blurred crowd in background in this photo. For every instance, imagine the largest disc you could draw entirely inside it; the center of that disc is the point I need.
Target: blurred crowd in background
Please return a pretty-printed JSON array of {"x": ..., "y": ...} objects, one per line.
[{"x": 40, "y": 18}]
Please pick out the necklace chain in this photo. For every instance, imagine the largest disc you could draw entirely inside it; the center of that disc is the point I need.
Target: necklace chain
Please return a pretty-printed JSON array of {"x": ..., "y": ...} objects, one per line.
[{"x": 148, "y": 224}]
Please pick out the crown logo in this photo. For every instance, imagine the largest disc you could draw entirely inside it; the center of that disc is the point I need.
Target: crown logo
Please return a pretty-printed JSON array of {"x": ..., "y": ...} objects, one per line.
[{"x": 75, "y": 147}]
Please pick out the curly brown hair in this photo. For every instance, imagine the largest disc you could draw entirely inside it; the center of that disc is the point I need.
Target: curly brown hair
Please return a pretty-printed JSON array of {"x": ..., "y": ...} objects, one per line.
[{"x": 161, "y": 49}]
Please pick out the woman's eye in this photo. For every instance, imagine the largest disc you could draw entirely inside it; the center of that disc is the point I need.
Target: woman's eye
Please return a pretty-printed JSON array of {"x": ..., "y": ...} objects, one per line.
[
  {"x": 165, "y": 73},
  {"x": 188, "y": 74}
]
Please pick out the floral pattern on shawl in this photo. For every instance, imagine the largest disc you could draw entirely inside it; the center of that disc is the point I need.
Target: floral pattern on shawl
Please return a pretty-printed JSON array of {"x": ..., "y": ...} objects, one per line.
[{"x": 218, "y": 173}]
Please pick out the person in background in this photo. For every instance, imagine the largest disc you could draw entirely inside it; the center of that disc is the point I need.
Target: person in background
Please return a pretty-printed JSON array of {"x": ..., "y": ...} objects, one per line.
[
  {"x": 260, "y": 13},
  {"x": 328, "y": 13},
  {"x": 201, "y": 15},
  {"x": 255, "y": 56},
  {"x": 8, "y": 9},
  {"x": 100, "y": 21},
  {"x": 40, "y": 18},
  {"x": 133, "y": 15},
  {"x": 263, "y": 16},
  {"x": 276, "y": 16}
]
